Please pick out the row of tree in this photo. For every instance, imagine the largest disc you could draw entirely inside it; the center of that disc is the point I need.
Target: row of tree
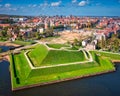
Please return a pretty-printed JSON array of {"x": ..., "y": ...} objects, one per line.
[
  {"x": 110, "y": 44},
  {"x": 34, "y": 34}
]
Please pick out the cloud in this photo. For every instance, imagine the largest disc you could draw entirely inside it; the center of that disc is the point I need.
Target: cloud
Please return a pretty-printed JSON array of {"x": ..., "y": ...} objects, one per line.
[
  {"x": 32, "y": 5},
  {"x": 14, "y": 9},
  {"x": 118, "y": 1},
  {"x": 74, "y": 1},
  {"x": 7, "y": 5},
  {"x": 83, "y": 3},
  {"x": 54, "y": 4},
  {"x": 44, "y": 5},
  {"x": 29, "y": 5},
  {"x": 98, "y": 4},
  {"x": 0, "y": 5},
  {"x": 21, "y": 7}
]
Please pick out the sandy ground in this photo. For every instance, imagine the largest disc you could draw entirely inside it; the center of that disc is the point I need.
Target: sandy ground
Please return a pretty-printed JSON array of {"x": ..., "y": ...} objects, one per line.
[
  {"x": 7, "y": 43},
  {"x": 67, "y": 36}
]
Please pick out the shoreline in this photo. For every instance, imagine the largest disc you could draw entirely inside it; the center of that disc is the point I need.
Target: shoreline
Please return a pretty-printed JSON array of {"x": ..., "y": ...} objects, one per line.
[
  {"x": 63, "y": 80},
  {"x": 7, "y": 43}
]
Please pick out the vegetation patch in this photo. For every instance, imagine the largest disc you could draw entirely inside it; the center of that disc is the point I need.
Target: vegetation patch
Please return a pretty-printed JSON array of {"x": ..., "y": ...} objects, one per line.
[
  {"x": 111, "y": 56},
  {"x": 41, "y": 56},
  {"x": 73, "y": 48},
  {"x": 23, "y": 43},
  {"x": 38, "y": 54},
  {"x": 20, "y": 68},
  {"x": 57, "y": 46}
]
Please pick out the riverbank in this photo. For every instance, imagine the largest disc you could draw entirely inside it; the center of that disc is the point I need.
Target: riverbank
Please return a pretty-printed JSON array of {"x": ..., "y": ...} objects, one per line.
[
  {"x": 23, "y": 76},
  {"x": 7, "y": 43},
  {"x": 64, "y": 80}
]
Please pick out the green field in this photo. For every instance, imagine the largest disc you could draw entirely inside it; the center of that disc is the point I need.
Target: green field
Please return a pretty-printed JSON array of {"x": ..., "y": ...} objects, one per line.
[
  {"x": 57, "y": 46},
  {"x": 23, "y": 43},
  {"x": 40, "y": 56},
  {"x": 23, "y": 75},
  {"x": 111, "y": 56}
]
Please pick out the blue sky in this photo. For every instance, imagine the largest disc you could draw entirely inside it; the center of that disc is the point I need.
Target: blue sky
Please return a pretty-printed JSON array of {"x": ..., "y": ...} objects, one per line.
[{"x": 61, "y": 7}]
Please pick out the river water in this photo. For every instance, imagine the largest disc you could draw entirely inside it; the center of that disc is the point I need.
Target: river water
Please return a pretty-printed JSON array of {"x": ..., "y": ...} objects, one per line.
[
  {"x": 102, "y": 85},
  {"x": 6, "y": 48}
]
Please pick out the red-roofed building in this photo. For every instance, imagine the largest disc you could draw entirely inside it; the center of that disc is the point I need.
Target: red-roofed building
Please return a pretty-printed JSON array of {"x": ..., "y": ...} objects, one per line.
[{"x": 4, "y": 25}]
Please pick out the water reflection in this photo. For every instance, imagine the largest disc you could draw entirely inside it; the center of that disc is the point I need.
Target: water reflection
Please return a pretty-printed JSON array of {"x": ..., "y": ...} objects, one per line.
[
  {"x": 5, "y": 82},
  {"x": 103, "y": 85}
]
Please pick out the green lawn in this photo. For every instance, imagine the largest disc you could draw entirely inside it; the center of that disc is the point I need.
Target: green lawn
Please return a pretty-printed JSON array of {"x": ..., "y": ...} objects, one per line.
[
  {"x": 73, "y": 48},
  {"x": 40, "y": 56},
  {"x": 23, "y": 43},
  {"x": 57, "y": 46},
  {"x": 21, "y": 70},
  {"x": 62, "y": 57},
  {"x": 111, "y": 56},
  {"x": 3, "y": 39}
]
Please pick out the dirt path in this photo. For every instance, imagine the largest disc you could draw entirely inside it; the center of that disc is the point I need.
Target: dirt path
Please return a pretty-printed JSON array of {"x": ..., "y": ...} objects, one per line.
[
  {"x": 8, "y": 43},
  {"x": 67, "y": 36}
]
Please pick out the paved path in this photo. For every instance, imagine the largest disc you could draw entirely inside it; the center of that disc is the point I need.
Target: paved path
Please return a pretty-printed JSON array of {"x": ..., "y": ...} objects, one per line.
[
  {"x": 32, "y": 67},
  {"x": 87, "y": 61}
]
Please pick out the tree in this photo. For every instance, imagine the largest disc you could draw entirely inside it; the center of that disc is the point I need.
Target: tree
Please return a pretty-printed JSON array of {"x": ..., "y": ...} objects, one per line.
[
  {"x": 3, "y": 33},
  {"x": 116, "y": 45},
  {"x": 103, "y": 42},
  {"x": 118, "y": 34},
  {"x": 113, "y": 43},
  {"x": 77, "y": 42},
  {"x": 49, "y": 32},
  {"x": 37, "y": 35},
  {"x": 0, "y": 50}
]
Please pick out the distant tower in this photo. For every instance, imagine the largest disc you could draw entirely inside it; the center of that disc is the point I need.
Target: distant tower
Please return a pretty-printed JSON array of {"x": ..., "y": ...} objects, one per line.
[{"x": 46, "y": 25}]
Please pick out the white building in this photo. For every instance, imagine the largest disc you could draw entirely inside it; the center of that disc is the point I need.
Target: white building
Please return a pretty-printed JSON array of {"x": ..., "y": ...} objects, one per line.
[
  {"x": 40, "y": 30},
  {"x": 84, "y": 43}
]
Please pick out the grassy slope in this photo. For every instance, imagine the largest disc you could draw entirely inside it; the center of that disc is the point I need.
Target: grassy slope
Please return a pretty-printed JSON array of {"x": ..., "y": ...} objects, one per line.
[
  {"x": 23, "y": 42},
  {"x": 22, "y": 67},
  {"x": 60, "y": 69},
  {"x": 62, "y": 57},
  {"x": 35, "y": 76},
  {"x": 59, "y": 73},
  {"x": 57, "y": 46},
  {"x": 73, "y": 48},
  {"x": 109, "y": 55},
  {"x": 38, "y": 54},
  {"x": 78, "y": 70}
]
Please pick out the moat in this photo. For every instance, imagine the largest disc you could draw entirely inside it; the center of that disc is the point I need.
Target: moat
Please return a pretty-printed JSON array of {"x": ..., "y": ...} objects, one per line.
[{"x": 105, "y": 85}]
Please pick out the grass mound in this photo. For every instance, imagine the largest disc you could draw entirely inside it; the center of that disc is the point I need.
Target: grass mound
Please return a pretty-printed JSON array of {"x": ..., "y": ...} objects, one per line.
[
  {"x": 40, "y": 56},
  {"x": 20, "y": 68},
  {"x": 62, "y": 57}
]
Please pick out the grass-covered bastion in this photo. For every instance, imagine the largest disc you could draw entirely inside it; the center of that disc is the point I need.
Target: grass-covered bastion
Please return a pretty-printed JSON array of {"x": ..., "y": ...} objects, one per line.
[{"x": 49, "y": 63}]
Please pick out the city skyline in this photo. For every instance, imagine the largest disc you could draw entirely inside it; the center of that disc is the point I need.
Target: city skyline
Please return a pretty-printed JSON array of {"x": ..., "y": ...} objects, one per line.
[{"x": 61, "y": 7}]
